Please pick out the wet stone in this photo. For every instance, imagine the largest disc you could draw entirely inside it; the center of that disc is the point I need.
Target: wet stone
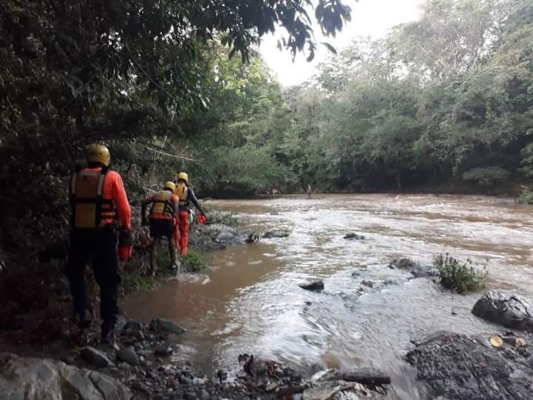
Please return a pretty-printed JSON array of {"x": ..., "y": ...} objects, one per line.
[
  {"x": 95, "y": 357},
  {"x": 354, "y": 236},
  {"x": 317, "y": 286},
  {"x": 160, "y": 324},
  {"x": 163, "y": 350},
  {"x": 198, "y": 381},
  {"x": 184, "y": 380},
  {"x": 222, "y": 375},
  {"x": 128, "y": 356},
  {"x": 133, "y": 326},
  {"x": 140, "y": 386}
]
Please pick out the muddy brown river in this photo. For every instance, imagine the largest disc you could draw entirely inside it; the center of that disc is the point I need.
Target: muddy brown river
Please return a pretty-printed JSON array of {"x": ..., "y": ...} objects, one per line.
[{"x": 251, "y": 301}]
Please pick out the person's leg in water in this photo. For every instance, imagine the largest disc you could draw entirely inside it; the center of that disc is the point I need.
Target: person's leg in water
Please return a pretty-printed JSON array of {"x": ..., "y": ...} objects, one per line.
[
  {"x": 184, "y": 232},
  {"x": 105, "y": 264},
  {"x": 155, "y": 233},
  {"x": 169, "y": 234},
  {"x": 177, "y": 236}
]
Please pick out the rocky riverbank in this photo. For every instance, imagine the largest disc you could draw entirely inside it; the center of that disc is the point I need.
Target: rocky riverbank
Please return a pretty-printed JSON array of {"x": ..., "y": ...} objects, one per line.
[{"x": 140, "y": 365}]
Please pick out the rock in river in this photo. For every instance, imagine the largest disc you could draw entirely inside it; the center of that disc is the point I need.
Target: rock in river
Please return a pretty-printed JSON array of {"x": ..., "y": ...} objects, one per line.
[
  {"x": 165, "y": 325},
  {"x": 275, "y": 234},
  {"x": 354, "y": 236},
  {"x": 317, "y": 286},
  {"x": 508, "y": 310},
  {"x": 36, "y": 379},
  {"x": 163, "y": 350},
  {"x": 454, "y": 366}
]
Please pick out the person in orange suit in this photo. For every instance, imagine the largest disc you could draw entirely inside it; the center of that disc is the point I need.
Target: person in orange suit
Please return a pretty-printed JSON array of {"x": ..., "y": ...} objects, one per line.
[
  {"x": 186, "y": 197},
  {"x": 163, "y": 216},
  {"x": 98, "y": 201}
]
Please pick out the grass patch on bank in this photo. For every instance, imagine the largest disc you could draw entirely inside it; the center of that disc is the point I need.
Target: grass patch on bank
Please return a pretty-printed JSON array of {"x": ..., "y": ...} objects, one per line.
[
  {"x": 194, "y": 262},
  {"x": 459, "y": 276},
  {"x": 133, "y": 282}
]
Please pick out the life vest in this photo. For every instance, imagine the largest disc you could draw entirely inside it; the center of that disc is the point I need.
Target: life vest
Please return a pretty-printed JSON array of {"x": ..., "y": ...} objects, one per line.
[
  {"x": 162, "y": 206},
  {"x": 182, "y": 191},
  {"x": 89, "y": 208}
]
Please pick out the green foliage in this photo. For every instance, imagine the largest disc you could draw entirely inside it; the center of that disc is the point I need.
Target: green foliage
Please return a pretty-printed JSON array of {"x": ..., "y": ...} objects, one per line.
[
  {"x": 525, "y": 196},
  {"x": 445, "y": 98},
  {"x": 133, "y": 282},
  {"x": 486, "y": 176},
  {"x": 194, "y": 262},
  {"x": 459, "y": 276},
  {"x": 224, "y": 218}
]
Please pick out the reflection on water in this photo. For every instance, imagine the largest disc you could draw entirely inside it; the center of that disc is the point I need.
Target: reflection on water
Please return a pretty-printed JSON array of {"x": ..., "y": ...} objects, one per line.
[{"x": 252, "y": 302}]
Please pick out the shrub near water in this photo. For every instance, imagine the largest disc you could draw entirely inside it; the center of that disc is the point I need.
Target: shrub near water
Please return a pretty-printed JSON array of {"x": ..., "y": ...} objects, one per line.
[
  {"x": 459, "y": 276},
  {"x": 194, "y": 262}
]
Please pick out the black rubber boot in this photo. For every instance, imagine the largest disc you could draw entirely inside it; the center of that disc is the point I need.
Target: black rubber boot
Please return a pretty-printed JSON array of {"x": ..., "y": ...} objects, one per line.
[
  {"x": 85, "y": 320},
  {"x": 108, "y": 333}
]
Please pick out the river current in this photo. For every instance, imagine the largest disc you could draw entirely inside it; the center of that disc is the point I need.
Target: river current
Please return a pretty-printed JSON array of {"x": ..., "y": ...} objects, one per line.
[{"x": 251, "y": 302}]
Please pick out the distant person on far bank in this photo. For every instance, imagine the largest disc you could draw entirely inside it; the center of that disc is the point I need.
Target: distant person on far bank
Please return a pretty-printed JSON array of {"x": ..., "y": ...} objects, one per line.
[
  {"x": 309, "y": 191},
  {"x": 186, "y": 197}
]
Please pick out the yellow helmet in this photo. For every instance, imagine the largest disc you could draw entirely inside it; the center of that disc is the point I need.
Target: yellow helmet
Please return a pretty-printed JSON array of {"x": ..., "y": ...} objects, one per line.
[
  {"x": 184, "y": 176},
  {"x": 98, "y": 153},
  {"x": 170, "y": 185}
]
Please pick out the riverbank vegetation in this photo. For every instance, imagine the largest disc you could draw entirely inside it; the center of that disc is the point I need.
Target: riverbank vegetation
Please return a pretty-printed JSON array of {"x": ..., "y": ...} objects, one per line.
[
  {"x": 458, "y": 276},
  {"x": 443, "y": 103}
]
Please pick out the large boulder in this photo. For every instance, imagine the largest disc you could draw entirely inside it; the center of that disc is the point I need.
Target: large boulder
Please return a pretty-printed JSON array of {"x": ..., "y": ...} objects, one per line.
[
  {"x": 43, "y": 379},
  {"x": 508, "y": 310},
  {"x": 455, "y": 366}
]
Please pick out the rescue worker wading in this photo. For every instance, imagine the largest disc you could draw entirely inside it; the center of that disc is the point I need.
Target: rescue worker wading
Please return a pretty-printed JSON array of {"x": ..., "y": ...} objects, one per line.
[
  {"x": 186, "y": 196},
  {"x": 163, "y": 216},
  {"x": 98, "y": 199}
]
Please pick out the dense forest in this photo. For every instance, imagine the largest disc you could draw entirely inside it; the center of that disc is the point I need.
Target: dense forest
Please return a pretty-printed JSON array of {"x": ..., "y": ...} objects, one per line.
[{"x": 442, "y": 102}]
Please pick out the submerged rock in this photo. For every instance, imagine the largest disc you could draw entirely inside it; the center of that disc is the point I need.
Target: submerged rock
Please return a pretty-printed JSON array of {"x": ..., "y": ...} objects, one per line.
[
  {"x": 252, "y": 238},
  {"x": 275, "y": 234},
  {"x": 508, "y": 310},
  {"x": 32, "y": 378},
  {"x": 455, "y": 366},
  {"x": 317, "y": 286},
  {"x": 354, "y": 236},
  {"x": 416, "y": 269},
  {"x": 165, "y": 325}
]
